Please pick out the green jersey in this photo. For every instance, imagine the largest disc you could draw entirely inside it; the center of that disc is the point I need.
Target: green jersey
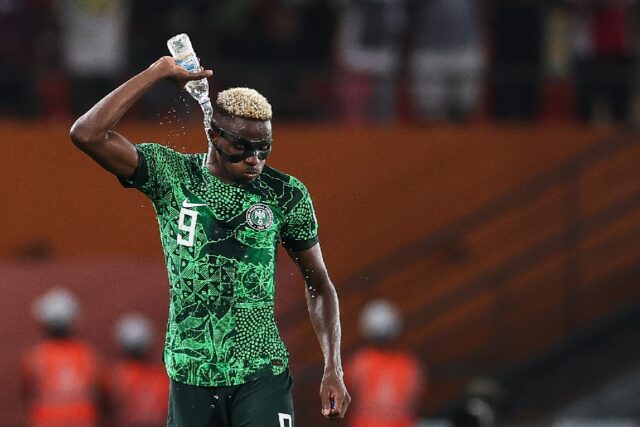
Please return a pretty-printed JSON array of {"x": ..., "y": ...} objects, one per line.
[{"x": 220, "y": 243}]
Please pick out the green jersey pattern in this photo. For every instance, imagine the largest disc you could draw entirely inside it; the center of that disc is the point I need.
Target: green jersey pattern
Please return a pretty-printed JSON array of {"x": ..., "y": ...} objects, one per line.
[{"x": 220, "y": 242}]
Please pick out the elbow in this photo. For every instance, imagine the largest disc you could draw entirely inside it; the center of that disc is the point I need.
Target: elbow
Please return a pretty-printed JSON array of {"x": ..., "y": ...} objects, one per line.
[{"x": 82, "y": 134}]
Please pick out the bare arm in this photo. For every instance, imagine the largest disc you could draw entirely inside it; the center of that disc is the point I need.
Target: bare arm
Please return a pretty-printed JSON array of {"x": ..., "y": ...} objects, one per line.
[
  {"x": 322, "y": 302},
  {"x": 93, "y": 131}
]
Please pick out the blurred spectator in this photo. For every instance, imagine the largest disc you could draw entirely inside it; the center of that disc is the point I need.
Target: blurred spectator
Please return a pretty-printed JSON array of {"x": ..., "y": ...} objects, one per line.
[
  {"x": 138, "y": 390},
  {"x": 94, "y": 47},
  {"x": 16, "y": 56},
  {"x": 604, "y": 58},
  {"x": 483, "y": 406},
  {"x": 556, "y": 103},
  {"x": 60, "y": 373},
  {"x": 386, "y": 382},
  {"x": 369, "y": 43},
  {"x": 518, "y": 48},
  {"x": 51, "y": 81},
  {"x": 447, "y": 59}
]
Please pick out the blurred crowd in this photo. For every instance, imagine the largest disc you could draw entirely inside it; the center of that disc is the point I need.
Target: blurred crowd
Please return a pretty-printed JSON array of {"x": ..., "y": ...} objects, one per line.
[
  {"x": 66, "y": 382},
  {"x": 351, "y": 60}
]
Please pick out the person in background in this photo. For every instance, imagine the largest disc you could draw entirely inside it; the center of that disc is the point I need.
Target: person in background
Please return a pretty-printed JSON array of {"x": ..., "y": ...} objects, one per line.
[
  {"x": 447, "y": 60},
  {"x": 386, "y": 381},
  {"x": 16, "y": 51},
  {"x": 137, "y": 389},
  {"x": 604, "y": 58},
  {"x": 369, "y": 43},
  {"x": 94, "y": 40},
  {"x": 517, "y": 58},
  {"x": 60, "y": 373}
]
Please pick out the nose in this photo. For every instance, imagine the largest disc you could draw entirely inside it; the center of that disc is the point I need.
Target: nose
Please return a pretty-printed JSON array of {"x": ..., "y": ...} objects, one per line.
[{"x": 253, "y": 160}]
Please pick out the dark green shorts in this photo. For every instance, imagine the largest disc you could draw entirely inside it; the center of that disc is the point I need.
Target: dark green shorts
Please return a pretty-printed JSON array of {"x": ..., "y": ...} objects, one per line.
[{"x": 265, "y": 402}]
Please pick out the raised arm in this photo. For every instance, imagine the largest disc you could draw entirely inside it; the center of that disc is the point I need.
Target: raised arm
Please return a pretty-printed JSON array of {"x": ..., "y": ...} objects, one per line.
[
  {"x": 93, "y": 131},
  {"x": 322, "y": 302}
]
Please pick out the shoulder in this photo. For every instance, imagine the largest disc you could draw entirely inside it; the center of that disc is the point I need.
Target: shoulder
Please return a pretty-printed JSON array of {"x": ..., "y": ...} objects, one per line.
[
  {"x": 274, "y": 177},
  {"x": 283, "y": 183},
  {"x": 289, "y": 190},
  {"x": 81, "y": 348},
  {"x": 412, "y": 360},
  {"x": 362, "y": 355},
  {"x": 161, "y": 157},
  {"x": 159, "y": 152}
]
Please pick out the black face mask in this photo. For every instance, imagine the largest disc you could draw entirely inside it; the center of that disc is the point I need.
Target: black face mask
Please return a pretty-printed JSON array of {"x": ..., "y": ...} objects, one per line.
[{"x": 250, "y": 147}]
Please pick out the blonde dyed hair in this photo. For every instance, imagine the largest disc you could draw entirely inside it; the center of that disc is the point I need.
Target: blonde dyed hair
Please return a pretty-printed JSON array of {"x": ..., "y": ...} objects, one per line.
[{"x": 244, "y": 102}]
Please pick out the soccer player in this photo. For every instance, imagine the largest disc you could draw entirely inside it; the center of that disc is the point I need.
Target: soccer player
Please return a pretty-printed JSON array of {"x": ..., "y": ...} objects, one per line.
[{"x": 221, "y": 215}]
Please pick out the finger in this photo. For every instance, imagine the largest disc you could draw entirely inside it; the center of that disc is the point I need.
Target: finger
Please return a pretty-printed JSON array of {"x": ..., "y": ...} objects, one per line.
[
  {"x": 345, "y": 405},
  {"x": 338, "y": 402},
  {"x": 200, "y": 71},
  {"x": 337, "y": 409},
  {"x": 325, "y": 397},
  {"x": 347, "y": 402},
  {"x": 197, "y": 75}
]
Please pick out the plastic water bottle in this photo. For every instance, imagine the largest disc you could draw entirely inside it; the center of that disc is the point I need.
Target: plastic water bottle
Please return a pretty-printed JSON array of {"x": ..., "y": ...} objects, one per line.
[{"x": 182, "y": 51}]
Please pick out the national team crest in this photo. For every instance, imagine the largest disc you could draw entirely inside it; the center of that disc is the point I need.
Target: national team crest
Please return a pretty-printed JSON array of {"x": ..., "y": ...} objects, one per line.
[{"x": 259, "y": 216}]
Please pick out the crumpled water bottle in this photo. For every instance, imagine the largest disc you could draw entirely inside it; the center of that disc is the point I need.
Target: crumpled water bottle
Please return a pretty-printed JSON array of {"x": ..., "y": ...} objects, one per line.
[{"x": 182, "y": 51}]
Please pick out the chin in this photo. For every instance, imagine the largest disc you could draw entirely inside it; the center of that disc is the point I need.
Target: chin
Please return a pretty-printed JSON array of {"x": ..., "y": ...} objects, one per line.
[{"x": 246, "y": 178}]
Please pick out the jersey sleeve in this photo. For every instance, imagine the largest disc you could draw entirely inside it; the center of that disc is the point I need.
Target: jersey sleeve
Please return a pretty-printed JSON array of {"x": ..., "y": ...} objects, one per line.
[
  {"x": 300, "y": 229},
  {"x": 158, "y": 167}
]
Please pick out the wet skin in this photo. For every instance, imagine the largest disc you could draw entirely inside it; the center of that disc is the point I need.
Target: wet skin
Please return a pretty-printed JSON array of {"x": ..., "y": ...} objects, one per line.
[{"x": 248, "y": 168}]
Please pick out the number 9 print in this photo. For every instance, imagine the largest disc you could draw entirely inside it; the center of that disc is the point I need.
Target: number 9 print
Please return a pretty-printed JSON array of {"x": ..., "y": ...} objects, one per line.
[
  {"x": 285, "y": 420},
  {"x": 189, "y": 229}
]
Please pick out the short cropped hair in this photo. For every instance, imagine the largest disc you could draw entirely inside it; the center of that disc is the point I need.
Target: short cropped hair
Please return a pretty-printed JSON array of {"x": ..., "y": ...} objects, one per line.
[{"x": 245, "y": 103}]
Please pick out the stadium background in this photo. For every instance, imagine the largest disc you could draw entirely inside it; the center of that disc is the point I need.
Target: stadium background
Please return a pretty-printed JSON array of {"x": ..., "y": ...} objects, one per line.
[{"x": 509, "y": 242}]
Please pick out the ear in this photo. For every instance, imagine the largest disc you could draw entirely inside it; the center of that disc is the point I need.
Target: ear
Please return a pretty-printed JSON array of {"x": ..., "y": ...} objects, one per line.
[{"x": 211, "y": 134}]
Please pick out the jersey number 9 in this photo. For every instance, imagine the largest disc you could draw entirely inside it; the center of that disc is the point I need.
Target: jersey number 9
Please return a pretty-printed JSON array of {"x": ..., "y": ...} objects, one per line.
[{"x": 189, "y": 229}]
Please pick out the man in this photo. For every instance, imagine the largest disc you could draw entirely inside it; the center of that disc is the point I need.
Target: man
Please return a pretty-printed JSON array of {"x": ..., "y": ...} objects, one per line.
[
  {"x": 60, "y": 374},
  {"x": 388, "y": 381},
  {"x": 369, "y": 52},
  {"x": 137, "y": 387},
  {"x": 446, "y": 60},
  {"x": 221, "y": 215}
]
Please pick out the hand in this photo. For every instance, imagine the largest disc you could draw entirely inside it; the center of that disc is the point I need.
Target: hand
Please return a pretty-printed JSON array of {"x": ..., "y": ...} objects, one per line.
[
  {"x": 168, "y": 68},
  {"x": 334, "y": 396}
]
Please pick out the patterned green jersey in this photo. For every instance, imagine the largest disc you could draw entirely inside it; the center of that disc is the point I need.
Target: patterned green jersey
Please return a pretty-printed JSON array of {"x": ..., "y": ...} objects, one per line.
[{"x": 219, "y": 242}]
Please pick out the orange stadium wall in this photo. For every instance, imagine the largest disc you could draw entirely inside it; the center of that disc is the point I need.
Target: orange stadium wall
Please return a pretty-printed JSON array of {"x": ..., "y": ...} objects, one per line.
[
  {"x": 66, "y": 222},
  {"x": 378, "y": 186}
]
